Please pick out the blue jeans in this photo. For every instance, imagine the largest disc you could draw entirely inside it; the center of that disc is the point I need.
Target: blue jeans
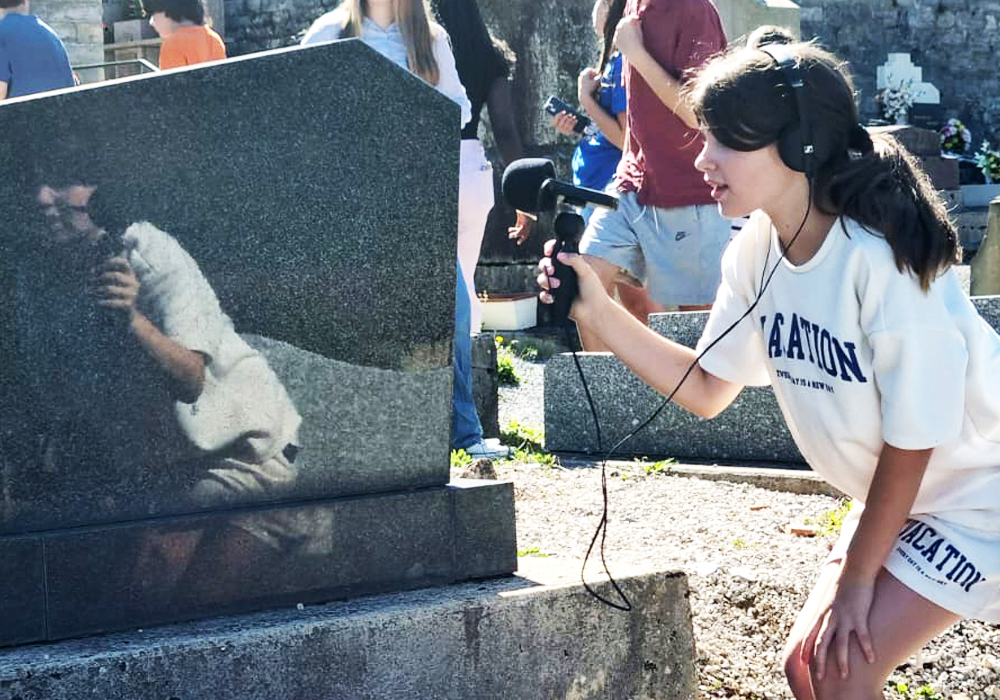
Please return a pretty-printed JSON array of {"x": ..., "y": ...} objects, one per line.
[{"x": 466, "y": 430}]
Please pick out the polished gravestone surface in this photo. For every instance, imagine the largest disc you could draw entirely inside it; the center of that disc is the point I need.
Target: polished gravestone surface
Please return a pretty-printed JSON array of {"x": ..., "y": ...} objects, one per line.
[{"x": 291, "y": 227}]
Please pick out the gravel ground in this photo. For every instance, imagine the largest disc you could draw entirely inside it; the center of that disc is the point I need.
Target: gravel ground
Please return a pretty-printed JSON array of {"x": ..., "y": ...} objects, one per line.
[{"x": 747, "y": 575}]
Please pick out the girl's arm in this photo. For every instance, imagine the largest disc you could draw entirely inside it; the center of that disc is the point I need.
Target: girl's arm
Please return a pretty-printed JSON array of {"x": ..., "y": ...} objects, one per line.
[
  {"x": 612, "y": 126},
  {"x": 887, "y": 508},
  {"x": 184, "y": 368},
  {"x": 449, "y": 83},
  {"x": 628, "y": 38},
  {"x": 326, "y": 28},
  {"x": 659, "y": 362},
  {"x": 118, "y": 288},
  {"x": 500, "y": 107}
]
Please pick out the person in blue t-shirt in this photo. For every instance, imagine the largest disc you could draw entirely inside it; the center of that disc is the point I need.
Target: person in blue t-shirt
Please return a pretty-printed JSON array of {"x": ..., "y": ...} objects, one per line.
[
  {"x": 32, "y": 57},
  {"x": 601, "y": 92}
]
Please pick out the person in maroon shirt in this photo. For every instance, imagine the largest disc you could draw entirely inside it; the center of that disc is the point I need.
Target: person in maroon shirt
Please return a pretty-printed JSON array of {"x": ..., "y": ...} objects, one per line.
[{"x": 667, "y": 233}]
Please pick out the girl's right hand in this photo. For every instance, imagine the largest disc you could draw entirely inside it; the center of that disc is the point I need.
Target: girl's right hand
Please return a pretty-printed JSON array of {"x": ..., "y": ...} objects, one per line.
[
  {"x": 628, "y": 36},
  {"x": 587, "y": 85},
  {"x": 591, "y": 292},
  {"x": 564, "y": 123}
]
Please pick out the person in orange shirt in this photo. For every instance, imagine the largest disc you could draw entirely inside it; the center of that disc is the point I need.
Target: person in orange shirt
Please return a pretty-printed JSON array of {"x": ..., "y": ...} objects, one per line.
[{"x": 186, "y": 38}]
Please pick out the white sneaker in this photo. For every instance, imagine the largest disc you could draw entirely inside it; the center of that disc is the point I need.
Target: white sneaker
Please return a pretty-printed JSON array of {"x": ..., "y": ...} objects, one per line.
[{"x": 488, "y": 449}]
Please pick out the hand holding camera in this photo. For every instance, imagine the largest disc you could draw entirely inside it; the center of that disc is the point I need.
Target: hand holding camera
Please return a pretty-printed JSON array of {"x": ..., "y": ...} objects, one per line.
[{"x": 565, "y": 116}]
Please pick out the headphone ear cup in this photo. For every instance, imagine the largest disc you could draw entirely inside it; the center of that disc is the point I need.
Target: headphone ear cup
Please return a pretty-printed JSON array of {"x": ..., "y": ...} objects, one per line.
[
  {"x": 790, "y": 145},
  {"x": 790, "y": 148}
]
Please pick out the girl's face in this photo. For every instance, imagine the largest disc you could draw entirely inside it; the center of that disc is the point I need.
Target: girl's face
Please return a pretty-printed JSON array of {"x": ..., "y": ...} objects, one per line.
[
  {"x": 743, "y": 181},
  {"x": 65, "y": 212},
  {"x": 599, "y": 16}
]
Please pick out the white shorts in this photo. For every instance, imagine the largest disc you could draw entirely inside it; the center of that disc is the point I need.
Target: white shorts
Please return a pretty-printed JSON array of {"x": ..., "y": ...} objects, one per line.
[{"x": 954, "y": 566}]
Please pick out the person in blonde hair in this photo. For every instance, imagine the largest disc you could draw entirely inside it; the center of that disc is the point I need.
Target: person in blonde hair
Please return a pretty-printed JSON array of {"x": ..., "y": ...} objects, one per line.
[{"x": 402, "y": 31}]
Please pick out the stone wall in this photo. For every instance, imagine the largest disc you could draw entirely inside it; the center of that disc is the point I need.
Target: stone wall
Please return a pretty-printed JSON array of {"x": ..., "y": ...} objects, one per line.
[
  {"x": 954, "y": 41},
  {"x": 78, "y": 23},
  {"x": 257, "y": 25}
]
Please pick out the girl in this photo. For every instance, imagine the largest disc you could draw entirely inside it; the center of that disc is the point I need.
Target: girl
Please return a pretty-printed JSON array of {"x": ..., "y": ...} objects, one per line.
[
  {"x": 838, "y": 293},
  {"x": 401, "y": 30},
  {"x": 484, "y": 67},
  {"x": 601, "y": 93},
  {"x": 187, "y": 39}
]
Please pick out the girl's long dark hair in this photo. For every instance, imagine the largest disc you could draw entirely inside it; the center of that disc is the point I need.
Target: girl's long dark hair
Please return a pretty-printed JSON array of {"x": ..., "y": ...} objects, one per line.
[
  {"x": 743, "y": 98},
  {"x": 616, "y": 9},
  {"x": 480, "y": 57}
]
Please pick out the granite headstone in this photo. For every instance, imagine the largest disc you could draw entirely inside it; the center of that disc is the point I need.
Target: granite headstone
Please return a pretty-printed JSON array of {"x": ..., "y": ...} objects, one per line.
[{"x": 289, "y": 226}]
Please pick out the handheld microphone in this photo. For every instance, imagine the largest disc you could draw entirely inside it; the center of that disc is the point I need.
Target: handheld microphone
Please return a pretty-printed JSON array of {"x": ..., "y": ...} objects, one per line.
[{"x": 530, "y": 184}]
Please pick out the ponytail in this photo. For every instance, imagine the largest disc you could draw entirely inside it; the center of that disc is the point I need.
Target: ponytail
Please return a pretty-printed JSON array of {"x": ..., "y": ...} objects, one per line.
[
  {"x": 616, "y": 10},
  {"x": 879, "y": 184}
]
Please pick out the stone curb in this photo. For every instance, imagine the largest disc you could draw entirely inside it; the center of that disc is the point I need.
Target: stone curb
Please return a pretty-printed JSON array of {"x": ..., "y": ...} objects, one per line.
[{"x": 802, "y": 481}]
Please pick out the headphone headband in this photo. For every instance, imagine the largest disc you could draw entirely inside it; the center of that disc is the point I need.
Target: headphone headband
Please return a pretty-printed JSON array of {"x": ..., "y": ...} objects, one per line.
[{"x": 795, "y": 144}]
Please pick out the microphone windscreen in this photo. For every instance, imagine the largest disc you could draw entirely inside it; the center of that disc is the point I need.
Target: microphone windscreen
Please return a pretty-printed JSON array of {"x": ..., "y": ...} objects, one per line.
[{"x": 523, "y": 179}]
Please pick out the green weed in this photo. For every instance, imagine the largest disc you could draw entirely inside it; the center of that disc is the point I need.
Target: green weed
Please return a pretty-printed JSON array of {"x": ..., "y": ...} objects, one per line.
[
  {"x": 664, "y": 466},
  {"x": 506, "y": 372},
  {"x": 523, "y": 437},
  {"x": 532, "y": 552},
  {"x": 924, "y": 692},
  {"x": 528, "y": 444},
  {"x": 830, "y": 522},
  {"x": 460, "y": 459},
  {"x": 536, "y": 350}
]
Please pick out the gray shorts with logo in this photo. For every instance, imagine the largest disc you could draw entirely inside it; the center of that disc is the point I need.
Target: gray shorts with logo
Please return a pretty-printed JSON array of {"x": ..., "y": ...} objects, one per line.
[{"x": 674, "y": 252}]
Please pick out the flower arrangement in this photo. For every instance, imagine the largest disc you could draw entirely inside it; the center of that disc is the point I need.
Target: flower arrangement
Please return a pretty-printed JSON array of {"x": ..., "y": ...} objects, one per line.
[
  {"x": 988, "y": 161},
  {"x": 897, "y": 99},
  {"x": 955, "y": 137}
]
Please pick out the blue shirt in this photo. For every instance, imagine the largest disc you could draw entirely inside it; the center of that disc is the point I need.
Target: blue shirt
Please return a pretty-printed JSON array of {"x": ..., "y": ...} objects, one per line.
[
  {"x": 596, "y": 158},
  {"x": 32, "y": 57}
]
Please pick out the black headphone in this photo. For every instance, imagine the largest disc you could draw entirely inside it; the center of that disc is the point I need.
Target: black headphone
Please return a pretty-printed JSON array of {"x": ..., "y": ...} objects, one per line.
[{"x": 799, "y": 147}]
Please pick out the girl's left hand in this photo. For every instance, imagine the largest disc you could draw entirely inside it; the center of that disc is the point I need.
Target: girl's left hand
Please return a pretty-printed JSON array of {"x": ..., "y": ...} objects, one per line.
[
  {"x": 521, "y": 229},
  {"x": 846, "y": 614},
  {"x": 628, "y": 36}
]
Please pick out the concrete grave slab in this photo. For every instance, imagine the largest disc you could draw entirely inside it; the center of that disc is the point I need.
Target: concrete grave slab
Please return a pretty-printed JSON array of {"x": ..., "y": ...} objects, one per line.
[{"x": 538, "y": 634}]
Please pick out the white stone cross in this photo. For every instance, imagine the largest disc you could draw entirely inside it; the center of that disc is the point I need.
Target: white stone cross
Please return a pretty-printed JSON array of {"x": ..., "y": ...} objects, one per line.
[{"x": 899, "y": 69}]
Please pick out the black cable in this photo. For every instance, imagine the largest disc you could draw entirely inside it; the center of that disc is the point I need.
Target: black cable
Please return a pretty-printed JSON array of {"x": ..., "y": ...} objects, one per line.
[{"x": 602, "y": 526}]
